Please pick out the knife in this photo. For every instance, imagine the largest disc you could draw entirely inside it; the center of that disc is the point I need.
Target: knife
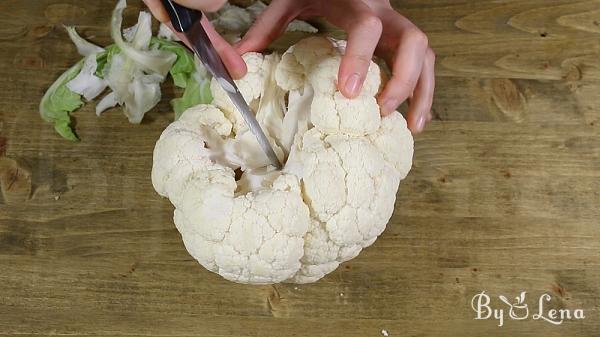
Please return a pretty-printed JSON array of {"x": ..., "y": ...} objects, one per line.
[{"x": 187, "y": 21}]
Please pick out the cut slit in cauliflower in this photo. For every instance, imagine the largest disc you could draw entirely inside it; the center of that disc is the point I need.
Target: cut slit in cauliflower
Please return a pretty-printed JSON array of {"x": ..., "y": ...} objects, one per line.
[{"x": 335, "y": 195}]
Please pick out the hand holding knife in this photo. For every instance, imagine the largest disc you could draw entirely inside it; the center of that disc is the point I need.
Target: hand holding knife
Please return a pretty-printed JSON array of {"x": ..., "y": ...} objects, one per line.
[{"x": 187, "y": 21}]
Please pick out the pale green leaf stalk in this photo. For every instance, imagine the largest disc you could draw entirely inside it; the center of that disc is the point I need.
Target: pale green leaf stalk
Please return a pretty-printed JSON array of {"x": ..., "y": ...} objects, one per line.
[
  {"x": 195, "y": 93},
  {"x": 163, "y": 56},
  {"x": 59, "y": 102},
  {"x": 183, "y": 66}
]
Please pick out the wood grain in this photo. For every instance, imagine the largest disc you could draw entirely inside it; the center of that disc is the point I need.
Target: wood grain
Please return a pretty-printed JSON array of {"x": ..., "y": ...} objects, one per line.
[{"x": 504, "y": 195}]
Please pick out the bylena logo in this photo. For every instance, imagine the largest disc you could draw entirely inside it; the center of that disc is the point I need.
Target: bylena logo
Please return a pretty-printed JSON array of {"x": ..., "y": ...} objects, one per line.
[{"x": 519, "y": 310}]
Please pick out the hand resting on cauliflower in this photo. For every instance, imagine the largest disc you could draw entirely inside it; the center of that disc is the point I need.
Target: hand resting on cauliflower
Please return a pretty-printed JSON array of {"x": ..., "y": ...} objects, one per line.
[
  {"x": 335, "y": 195},
  {"x": 373, "y": 27}
]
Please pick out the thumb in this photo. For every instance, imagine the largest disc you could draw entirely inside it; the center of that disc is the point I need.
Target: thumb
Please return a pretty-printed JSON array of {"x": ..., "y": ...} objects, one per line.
[
  {"x": 203, "y": 5},
  {"x": 230, "y": 57},
  {"x": 269, "y": 25},
  {"x": 158, "y": 9}
]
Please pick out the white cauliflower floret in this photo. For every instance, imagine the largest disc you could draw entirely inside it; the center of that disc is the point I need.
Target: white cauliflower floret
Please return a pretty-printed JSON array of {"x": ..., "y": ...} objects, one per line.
[
  {"x": 235, "y": 236},
  {"x": 299, "y": 59},
  {"x": 209, "y": 115},
  {"x": 345, "y": 119},
  {"x": 341, "y": 187},
  {"x": 334, "y": 196},
  {"x": 395, "y": 142},
  {"x": 331, "y": 112},
  {"x": 251, "y": 87}
]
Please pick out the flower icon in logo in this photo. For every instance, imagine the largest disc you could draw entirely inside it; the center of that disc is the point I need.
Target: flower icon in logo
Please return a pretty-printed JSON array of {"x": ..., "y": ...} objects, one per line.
[{"x": 519, "y": 309}]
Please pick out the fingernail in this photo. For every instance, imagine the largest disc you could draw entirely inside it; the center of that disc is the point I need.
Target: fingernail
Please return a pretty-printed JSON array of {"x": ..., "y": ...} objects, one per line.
[
  {"x": 420, "y": 123},
  {"x": 353, "y": 85},
  {"x": 389, "y": 106}
]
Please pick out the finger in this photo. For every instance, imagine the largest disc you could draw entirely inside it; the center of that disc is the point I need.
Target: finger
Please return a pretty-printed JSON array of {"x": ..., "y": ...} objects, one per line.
[
  {"x": 419, "y": 109},
  {"x": 407, "y": 63},
  {"x": 232, "y": 60},
  {"x": 230, "y": 57},
  {"x": 203, "y": 5},
  {"x": 157, "y": 9},
  {"x": 364, "y": 30},
  {"x": 269, "y": 25},
  {"x": 179, "y": 35}
]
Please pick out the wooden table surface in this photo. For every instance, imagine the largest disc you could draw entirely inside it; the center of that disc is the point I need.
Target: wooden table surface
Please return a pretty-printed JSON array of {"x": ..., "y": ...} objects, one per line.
[{"x": 503, "y": 197}]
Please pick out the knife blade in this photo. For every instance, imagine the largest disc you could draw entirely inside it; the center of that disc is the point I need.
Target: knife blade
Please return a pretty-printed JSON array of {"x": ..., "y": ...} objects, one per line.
[{"x": 187, "y": 21}]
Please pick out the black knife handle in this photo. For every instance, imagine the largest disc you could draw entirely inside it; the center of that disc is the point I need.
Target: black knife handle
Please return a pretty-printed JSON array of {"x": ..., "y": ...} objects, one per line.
[{"x": 182, "y": 18}]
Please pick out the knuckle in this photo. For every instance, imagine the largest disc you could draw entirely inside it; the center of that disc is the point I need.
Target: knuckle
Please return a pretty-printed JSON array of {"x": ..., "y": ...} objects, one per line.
[
  {"x": 428, "y": 105},
  {"x": 406, "y": 85},
  {"x": 402, "y": 88},
  {"x": 416, "y": 37},
  {"x": 399, "y": 89},
  {"x": 261, "y": 32},
  {"x": 270, "y": 35},
  {"x": 371, "y": 22},
  {"x": 430, "y": 55},
  {"x": 362, "y": 59}
]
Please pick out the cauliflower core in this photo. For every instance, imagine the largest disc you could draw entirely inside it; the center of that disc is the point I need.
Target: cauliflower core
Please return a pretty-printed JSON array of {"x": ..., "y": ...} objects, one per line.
[{"x": 334, "y": 196}]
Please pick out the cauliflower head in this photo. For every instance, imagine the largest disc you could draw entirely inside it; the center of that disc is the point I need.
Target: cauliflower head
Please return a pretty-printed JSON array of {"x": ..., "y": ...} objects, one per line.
[{"x": 250, "y": 223}]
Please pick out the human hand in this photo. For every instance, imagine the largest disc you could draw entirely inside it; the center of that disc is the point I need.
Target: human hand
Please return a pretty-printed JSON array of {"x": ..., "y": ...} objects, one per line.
[
  {"x": 158, "y": 9},
  {"x": 373, "y": 27},
  {"x": 231, "y": 58}
]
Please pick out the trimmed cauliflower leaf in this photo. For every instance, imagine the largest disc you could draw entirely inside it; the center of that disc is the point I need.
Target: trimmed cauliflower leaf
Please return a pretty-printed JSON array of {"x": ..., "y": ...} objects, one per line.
[{"x": 133, "y": 68}]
